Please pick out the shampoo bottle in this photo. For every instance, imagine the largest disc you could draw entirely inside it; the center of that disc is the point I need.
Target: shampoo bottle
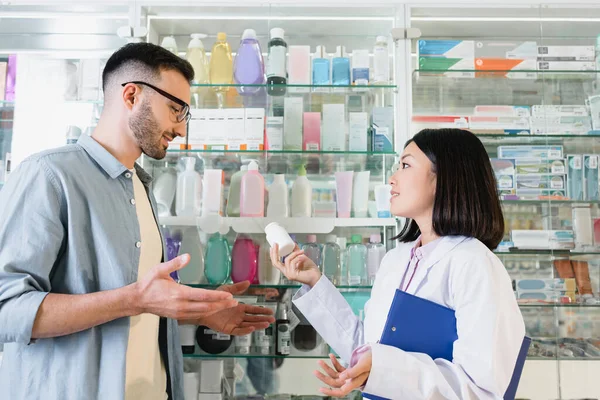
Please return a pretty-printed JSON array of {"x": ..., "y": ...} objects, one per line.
[
  {"x": 248, "y": 67},
  {"x": 302, "y": 195},
  {"x": 197, "y": 57},
  {"x": 278, "y": 198},
  {"x": 217, "y": 266},
  {"x": 244, "y": 260},
  {"x": 252, "y": 189},
  {"x": 188, "y": 201},
  {"x": 233, "y": 198}
]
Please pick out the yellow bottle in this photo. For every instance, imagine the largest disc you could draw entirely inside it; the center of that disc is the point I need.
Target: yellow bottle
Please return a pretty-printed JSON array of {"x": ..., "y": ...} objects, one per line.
[
  {"x": 196, "y": 56},
  {"x": 221, "y": 63}
]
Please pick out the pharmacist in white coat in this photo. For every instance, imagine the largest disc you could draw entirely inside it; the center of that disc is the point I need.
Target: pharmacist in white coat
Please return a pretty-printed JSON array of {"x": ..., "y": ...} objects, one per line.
[{"x": 446, "y": 188}]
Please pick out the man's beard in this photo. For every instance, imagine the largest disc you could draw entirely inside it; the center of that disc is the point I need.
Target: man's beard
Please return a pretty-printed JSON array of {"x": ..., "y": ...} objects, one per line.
[{"x": 147, "y": 132}]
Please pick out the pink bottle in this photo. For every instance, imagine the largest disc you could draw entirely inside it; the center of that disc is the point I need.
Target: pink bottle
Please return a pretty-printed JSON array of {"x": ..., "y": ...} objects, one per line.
[
  {"x": 244, "y": 260},
  {"x": 252, "y": 193}
]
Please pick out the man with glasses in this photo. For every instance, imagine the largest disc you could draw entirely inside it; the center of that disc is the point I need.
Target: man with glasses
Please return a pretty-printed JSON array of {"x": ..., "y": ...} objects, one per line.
[{"x": 87, "y": 307}]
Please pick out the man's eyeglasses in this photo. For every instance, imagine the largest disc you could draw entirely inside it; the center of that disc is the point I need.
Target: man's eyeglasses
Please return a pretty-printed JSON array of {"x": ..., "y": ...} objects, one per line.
[{"x": 183, "y": 114}]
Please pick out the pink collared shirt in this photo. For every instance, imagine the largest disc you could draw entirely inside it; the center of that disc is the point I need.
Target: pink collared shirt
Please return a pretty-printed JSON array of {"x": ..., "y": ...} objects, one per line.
[{"x": 417, "y": 254}]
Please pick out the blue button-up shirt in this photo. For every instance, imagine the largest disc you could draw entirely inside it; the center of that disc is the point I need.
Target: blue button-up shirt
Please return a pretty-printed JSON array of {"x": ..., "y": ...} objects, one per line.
[{"x": 67, "y": 225}]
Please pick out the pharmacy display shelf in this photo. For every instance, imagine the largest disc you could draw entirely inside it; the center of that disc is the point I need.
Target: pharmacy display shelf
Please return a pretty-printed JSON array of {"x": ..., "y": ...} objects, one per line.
[
  {"x": 215, "y": 223},
  {"x": 284, "y": 286},
  {"x": 551, "y": 201}
]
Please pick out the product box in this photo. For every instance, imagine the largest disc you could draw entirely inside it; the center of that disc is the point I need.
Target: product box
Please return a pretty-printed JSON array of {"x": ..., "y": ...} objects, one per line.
[
  {"x": 3, "y": 70},
  {"x": 543, "y": 152},
  {"x": 559, "y": 111},
  {"x": 566, "y": 65},
  {"x": 441, "y": 66},
  {"x": 541, "y": 194},
  {"x": 235, "y": 126},
  {"x": 508, "y": 68},
  {"x": 420, "y": 122},
  {"x": 507, "y": 49},
  {"x": 594, "y": 104},
  {"x": 553, "y": 182},
  {"x": 505, "y": 173},
  {"x": 216, "y": 124},
  {"x": 312, "y": 131},
  {"x": 446, "y": 48},
  {"x": 501, "y": 125},
  {"x": 254, "y": 128},
  {"x": 197, "y": 129},
  {"x": 590, "y": 177},
  {"x": 566, "y": 53},
  {"x": 333, "y": 134},
  {"x": 575, "y": 182},
  {"x": 383, "y": 129},
  {"x": 502, "y": 111},
  {"x": 553, "y": 125},
  {"x": 543, "y": 239},
  {"x": 358, "y": 131},
  {"x": 526, "y": 166},
  {"x": 293, "y": 108},
  {"x": 555, "y": 284},
  {"x": 299, "y": 61},
  {"x": 274, "y": 133},
  {"x": 211, "y": 376}
]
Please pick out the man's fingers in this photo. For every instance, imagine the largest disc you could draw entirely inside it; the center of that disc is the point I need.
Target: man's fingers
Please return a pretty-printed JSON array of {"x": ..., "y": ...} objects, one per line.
[
  {"x": 259, "y": 318},
  {"x": 238, "y": 288},
  {"x": 258, "y": 310},
  {"x": 174, "y": 265},
  {"x": 242, "y": 331},
  {"x": 203, "y": 295}
]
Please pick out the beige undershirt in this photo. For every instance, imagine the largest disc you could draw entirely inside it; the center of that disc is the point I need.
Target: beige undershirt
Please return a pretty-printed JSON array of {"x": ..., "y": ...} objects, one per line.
[{"x": 145, "y": 377}]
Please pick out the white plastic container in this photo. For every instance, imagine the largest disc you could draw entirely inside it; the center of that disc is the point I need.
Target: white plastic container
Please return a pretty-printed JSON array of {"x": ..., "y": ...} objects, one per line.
[
  {"x": 213, "y": 192},
  {"x": 188, "y": 201},
  {"x": 164, "y": 190},
  {"x": 360, "y": 194},
  {"x": 276, "y": 234},
  {"x": 267, "y": 273},
  {"x": 278, "y": 198},
  {"x": 252, "y": 193},
  {"x": 233, "y": 198},
  {"x": 301, "y": 195}
]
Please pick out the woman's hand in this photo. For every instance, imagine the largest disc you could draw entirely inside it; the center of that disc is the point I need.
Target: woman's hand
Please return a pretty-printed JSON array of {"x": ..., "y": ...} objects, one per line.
[
  {"x": 298, "y": 267},
  {"x": 342, "y": 381}
]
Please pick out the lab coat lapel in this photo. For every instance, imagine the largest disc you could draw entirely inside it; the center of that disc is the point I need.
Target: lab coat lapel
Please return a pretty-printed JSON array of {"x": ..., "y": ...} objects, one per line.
[{"x": 447, "y": 243}]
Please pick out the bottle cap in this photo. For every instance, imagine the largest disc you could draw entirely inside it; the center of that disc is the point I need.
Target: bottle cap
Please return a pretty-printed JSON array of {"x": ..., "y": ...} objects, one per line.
[
  {"x": 253, "y": 166},
  {"x": 375, "y": 238},
  {"x": 356, "y": 239},
  {"x": 311, "y": 239},
  {"x": 302, "y": 170},
  {"x": 277, "y": 33},
  {"x": 196, "y": 42},
  {"x": 221, "y": 36},
  {"x": 331, "y": 238},
  {"x": 249, "y": 34},
  {"x": 190, "y": 163}
]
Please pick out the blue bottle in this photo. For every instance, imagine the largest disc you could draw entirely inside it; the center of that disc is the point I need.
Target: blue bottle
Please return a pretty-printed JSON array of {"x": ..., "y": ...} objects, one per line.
[
  {"x": 340, "y": 68},
  {"x": 321, "y": 69}
]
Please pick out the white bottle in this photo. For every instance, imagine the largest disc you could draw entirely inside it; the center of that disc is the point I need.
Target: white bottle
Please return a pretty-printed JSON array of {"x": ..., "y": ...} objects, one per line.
[
  {"x": 278, "y": 198},
  {"x": 197, "y": 57},
  {"x": 252, "y": 193},
  {"x": 188, "y": 201},
  {"x": 233, "y": 198},
  {"x": 267, "y": 273},
  {"x": 164, "y": 189},
  {"x": 381, "y": 61},
  {"x": 170, "y": 44},
  {"x": 302, "y": 195},
  {"x": 375, "y": 253}
]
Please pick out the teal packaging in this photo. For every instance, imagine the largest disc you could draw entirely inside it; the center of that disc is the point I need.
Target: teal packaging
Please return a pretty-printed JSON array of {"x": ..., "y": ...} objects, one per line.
[
  {"x": 382, "y": 125},
  {"x": 590, "y": 176},
  {"x": 575, "y": 177}
]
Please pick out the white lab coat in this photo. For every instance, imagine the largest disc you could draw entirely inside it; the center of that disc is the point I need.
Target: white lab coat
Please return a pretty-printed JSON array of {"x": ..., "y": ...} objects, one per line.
[{"x": 461, "y": 274}]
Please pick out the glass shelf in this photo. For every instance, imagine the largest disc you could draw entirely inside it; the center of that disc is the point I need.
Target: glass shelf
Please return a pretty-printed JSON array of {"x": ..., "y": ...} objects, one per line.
[
  {"x": 280, "y": 152},
  {"x": 264, "y": 85},
  {"x": 593, "y": 138},
  {"x": 560, "y": 202},
  {"x": 281, "y": 286},
  {"x": 558, "y": 305},
  {"x": 325, "y": 356},
  {"x": 549, "y": 255},
  {"x": 504, "y": 73}
]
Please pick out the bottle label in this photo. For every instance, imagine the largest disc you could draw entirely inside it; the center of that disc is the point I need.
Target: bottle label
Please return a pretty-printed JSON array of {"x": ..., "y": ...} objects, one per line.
[
  {"x": 276, "y": 62},
  {"x": 283, "y": 339}
]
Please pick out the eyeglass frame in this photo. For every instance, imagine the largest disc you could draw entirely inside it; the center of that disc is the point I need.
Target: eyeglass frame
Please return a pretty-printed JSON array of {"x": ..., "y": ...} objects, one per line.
[{"x": 185, "y": 110}]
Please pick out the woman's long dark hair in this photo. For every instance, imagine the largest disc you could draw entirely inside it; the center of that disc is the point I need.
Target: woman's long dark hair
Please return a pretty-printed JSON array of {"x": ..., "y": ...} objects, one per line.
[{"x": 466, "y": 199}]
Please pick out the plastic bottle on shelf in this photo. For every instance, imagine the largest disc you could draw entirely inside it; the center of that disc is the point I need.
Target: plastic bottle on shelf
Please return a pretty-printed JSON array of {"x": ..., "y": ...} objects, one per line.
[
  {"x": 278, "y": 198},
  {"x": 197, "y": 57},
  {"x": 170, "y": 44},
  {"x": 193, "y": 273},
  {"x": 221, "y": 63},
  {"x": 321, "y": 70},
  {"x": 277, "y": 63},
  {"x": 340, "y": 68},
  {"x": 331, "y": 260},
  {"x": 248, "y": 67},
  {"x": 381, "y": 61},
  {"x": 267, "y": 273},
  {"x": 301, "y": 195},
  {"x": 217, "y": 265},
  {"x": 244, "y": 260},
  {"x": 164, "y": 189},
  {"x": 233, "y": 198},
  {"x": 252, "y": 193},
  {"x": 313, "y": 250},
  {"x": 188, "y": 200},
  {"x": 375, "y": 253},
  {"x": 357, "y": 262},
  {"x": 284, "y": 337},
  {"x": 343, "y": 244}
]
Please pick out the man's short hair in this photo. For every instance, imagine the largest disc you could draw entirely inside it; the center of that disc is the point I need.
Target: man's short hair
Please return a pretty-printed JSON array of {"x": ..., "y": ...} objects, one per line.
[{"x": 144, "y": 61}]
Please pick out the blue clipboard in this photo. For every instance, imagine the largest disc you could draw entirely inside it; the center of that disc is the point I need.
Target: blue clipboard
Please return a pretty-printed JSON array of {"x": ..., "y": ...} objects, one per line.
[{"x": 418, "y": 325}]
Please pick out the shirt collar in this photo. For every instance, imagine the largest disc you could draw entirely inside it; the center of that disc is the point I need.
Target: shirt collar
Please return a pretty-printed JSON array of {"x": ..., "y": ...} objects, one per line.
[
  {"x": 422, "y": 252},
  {"x": 107, "y": 161}
]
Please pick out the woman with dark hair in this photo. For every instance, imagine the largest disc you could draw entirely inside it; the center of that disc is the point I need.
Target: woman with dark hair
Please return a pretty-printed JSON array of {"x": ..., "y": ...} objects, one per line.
[{"x": 446, "y": 189}]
